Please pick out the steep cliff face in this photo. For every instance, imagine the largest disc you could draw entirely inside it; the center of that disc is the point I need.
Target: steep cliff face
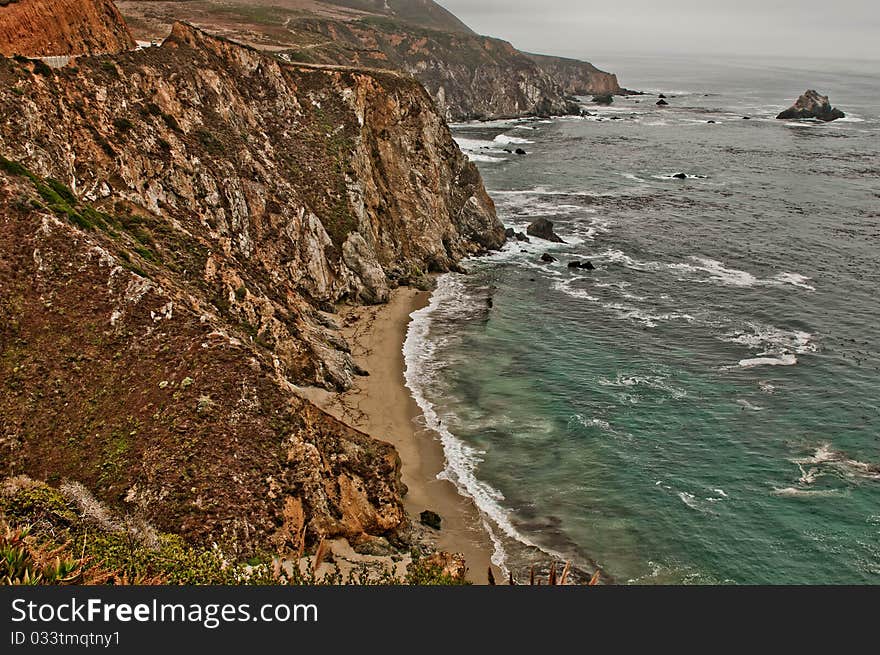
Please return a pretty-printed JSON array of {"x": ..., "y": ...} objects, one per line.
[
  {"x": 61, "y": 27},
  {"x": 179, "y": 220},
  {"x": 467, "y": 75},
  {"x": 578, "y": 78}
]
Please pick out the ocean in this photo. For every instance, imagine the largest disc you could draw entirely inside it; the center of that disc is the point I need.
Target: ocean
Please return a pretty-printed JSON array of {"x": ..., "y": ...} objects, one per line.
[{"x": 703, "y": 408}]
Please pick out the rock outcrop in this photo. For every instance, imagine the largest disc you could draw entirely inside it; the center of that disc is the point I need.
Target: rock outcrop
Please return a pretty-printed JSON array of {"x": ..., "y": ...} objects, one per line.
[
  {"x": 812, "y": 105},
  {"x": 543, "y": 229},
  {"x": 174, "y": 225},
  {"x": 41, "y": 28}
]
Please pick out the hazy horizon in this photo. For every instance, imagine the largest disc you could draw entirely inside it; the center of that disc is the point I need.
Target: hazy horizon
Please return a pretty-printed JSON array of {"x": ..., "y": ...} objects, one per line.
[{"x": 679, "y": 27}]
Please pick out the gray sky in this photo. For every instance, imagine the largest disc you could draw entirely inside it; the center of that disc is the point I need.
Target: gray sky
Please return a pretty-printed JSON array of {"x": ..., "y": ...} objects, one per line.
[{"x": 839, "y": 28}]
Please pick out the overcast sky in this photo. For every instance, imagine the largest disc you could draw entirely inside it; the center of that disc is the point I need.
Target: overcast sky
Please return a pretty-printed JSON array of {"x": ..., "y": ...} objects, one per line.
[{"x": 840, "y": 28}]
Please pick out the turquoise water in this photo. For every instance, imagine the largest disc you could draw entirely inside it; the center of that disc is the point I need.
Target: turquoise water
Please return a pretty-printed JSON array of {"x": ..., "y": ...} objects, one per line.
[{"x": 703, "y": 407}]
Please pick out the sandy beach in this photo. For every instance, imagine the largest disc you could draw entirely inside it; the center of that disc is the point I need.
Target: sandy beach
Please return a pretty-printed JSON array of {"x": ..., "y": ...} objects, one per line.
[{"x": 382, "y": 406}]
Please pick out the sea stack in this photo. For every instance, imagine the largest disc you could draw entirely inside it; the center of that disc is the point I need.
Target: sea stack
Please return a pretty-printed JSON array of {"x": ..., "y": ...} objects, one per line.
[{"x": 812, "y": 105}]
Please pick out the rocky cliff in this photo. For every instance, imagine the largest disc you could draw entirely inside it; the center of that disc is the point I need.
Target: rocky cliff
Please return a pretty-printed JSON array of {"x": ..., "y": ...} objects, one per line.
[
  {"x": 176, "y": 225},
  {"x": 61, "y": 27},
  {"x": 468, "y": 76},
  {"x": 578, "y": 78}
]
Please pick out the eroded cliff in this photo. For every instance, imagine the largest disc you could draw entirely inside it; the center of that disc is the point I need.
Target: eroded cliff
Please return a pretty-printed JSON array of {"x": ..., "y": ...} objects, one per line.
[
  {"x": 40, "y": 28},
  {"x": 177, "y": 223}
]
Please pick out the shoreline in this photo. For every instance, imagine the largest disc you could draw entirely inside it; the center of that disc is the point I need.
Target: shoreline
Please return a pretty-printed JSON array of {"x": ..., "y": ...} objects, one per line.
[{"x": 382, "y": 406}]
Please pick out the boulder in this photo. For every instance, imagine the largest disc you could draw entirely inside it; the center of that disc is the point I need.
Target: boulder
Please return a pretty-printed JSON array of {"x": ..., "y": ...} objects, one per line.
[
  {"x": 510, "y": 233},
  {"x": 812, "y": 105},
  {"x": 548, "y": 258},
  {"x": 662, "y": 103},
  {"x": 587, "y": 266},
  {"x": 431, "y": 519},
  {"x": 605, "y": 99},
  {"x": 747, "y": 118},
  {"x": 520, "y": 151},
  {"x": 661, "y": 96},
  {"x": 543, "y": 229},
  {"x": 522, "y": 237},
  {"x": 711, "y": 122},
  {"x": 680, "y": 176}
]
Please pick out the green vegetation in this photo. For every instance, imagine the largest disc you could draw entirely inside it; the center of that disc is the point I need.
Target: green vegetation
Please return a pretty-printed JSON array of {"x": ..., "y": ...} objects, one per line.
[
  {"x": 21, "y": 564},
  {"x": 61, "y": 200},
  {"x": 51, "y": 537}
]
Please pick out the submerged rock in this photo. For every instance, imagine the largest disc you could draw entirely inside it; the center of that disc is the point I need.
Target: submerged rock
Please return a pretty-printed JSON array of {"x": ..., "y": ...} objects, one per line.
[
  {"x": 522, "y": 237},
  {"x": 548, "y": 258},
  {"x": 520, "y": 151},
  {"x": 661, "y": 96},
  {"x": 662, "y": 103},
  {"x": 605, "y": 99},
  {"x": 680, "y": 176},
  {"x": 543, "y": 229},
  {"x": 812, "y": 105},
  {"x": 587, "y": 266}
]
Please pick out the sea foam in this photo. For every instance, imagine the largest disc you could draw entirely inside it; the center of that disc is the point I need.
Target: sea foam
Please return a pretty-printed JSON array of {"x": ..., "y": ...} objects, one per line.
[{"x": 462, "y": 460}]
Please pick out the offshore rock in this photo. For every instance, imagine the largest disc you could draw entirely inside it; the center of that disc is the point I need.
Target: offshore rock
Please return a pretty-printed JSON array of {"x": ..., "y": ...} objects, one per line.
[
  {"x": 812, "y": 105},
  {"x": 543, "y": 229}
]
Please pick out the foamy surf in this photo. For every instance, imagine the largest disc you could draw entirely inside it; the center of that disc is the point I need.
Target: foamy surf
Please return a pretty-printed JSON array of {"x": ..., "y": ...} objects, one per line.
[
  {"x": 507, "y": 140},
  {"x": 462, "y": 460}
]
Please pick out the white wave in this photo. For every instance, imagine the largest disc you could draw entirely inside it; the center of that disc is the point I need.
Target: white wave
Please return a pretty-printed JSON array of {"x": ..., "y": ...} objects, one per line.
[
  {"x": 462, "y": 459},
  {"x": 620, "y": 257},
  {"x": 484, "y": 159},
  {"x": 643, "y": 316},
  {"x": 747, "y": 405},
  {"x": 795, "y": 279},
  {"x": 474, "y": 145},
  {"x": 565, "y": 287},
  {"x": 781, "y": 360},
  {"x": 506, "y": 139},
  {"x": 656, "y": 382},
  {"x": 593, "y": 422},
  {"x": 824, "y": 453},
  {"x": 689, "y": 499},
  {"x": 719, "y": 272},
  {"x": 825, "y": 456},
  {"x": 794, "y": 492},
  {"x": 769, "y": 338}
]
